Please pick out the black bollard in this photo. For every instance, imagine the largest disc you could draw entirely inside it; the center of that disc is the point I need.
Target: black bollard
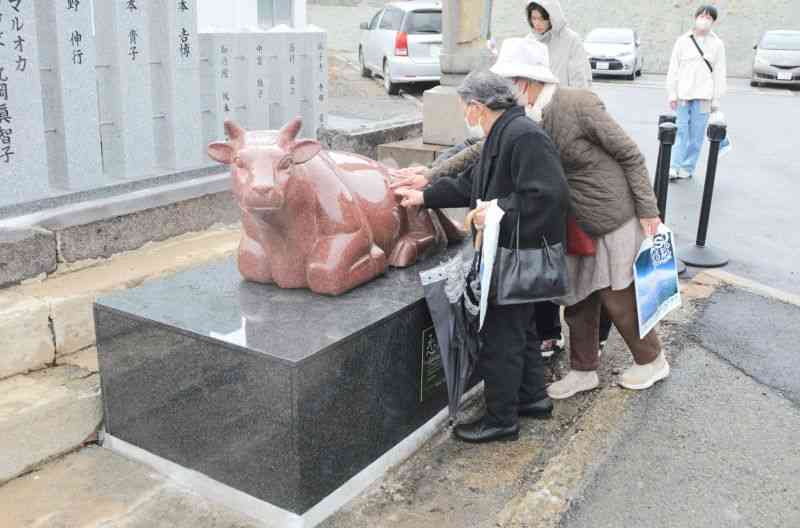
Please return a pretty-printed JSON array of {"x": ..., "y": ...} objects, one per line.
[
  {"x": 663, "y": 118},
  {"x": 666, "y": 137},
  {"x": 667, "y": 132},
  {"x": 701, "y": 255}
]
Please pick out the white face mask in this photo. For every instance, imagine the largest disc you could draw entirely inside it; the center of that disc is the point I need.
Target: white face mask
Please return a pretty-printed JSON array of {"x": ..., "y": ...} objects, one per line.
[
  {"x": 703, "y": 23},
  {"x": 474, "y": 131}
]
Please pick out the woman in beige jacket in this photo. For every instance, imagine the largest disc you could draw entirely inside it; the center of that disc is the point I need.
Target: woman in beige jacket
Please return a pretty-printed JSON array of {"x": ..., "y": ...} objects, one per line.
[{"x": 611, "y": 199}]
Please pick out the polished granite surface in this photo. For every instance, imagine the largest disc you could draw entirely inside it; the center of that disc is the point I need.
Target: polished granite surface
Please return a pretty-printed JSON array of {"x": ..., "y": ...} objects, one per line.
[
  {"x": 215, "y": 302},
  {"x": 282, "y": 394}
]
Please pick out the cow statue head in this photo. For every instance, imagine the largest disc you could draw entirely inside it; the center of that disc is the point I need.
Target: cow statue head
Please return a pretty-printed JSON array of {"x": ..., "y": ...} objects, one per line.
[{"x": 262, "y": 163}]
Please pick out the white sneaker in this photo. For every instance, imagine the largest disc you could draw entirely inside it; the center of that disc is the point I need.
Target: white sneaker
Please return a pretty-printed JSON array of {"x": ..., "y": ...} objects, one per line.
[
  {"x": 683, "y": 174},
  {"x": 574, "y": 382},
  {"x": 640, "y": 377},
  {"x": 673, "y": 174}
]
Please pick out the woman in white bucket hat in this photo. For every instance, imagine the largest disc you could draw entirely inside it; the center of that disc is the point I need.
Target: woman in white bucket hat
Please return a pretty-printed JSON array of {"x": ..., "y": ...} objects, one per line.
[{"x": 612, "y": 201}]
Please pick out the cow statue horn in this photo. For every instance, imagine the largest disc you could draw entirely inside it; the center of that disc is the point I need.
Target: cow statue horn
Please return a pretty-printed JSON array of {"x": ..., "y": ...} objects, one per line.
[{"x": 289, "y": 132}]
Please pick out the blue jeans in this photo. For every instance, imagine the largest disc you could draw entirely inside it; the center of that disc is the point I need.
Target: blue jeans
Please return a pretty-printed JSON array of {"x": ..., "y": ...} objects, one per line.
[{"x": 692, "y": 123}]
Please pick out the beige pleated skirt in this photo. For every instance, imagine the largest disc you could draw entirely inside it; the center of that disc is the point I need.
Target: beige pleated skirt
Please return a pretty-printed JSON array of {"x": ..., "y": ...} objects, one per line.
[{"x": 611, "y": 267}]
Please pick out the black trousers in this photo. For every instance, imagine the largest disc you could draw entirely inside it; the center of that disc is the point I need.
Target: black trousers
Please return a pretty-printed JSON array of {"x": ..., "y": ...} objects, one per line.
[
  {"x": 511, "y": 362},
  {"x": 548, "y": 321}
]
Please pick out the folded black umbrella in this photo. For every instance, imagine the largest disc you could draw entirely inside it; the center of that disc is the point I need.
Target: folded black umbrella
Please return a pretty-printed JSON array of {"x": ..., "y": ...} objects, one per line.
[{"x": 451, "y": 291}]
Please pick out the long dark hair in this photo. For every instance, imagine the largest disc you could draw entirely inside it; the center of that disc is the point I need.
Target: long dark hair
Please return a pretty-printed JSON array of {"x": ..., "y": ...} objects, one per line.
[{"x": 533, "y": 6}]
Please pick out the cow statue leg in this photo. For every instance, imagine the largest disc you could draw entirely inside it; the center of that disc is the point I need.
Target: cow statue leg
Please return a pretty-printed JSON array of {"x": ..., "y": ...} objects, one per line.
[
  {"x": 422, "y": 232},
  {"x": 254, "y": 263},
  {"x": 343, "y": 261}
]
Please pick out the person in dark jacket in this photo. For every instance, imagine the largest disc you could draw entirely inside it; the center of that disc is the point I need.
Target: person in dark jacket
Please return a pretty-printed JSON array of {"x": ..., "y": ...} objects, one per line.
[
  {"x": 521, "y": 170},
  {"x": 613, "y": 202}
]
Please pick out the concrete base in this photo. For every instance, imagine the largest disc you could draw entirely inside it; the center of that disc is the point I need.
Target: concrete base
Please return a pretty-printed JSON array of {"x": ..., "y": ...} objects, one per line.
[
  {"x": 408, "y": 152},
  {"x": 366, "y": 139},
  {"x": 104, "y": 227},
  {"x": 443, "y": 117},
  {"x": 25, "y": 253}
]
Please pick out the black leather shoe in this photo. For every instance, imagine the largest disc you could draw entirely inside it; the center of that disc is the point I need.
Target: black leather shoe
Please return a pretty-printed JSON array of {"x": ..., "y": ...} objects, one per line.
[
  {"x": 538, "y": 409},
  {"x": 480, "y": 432}
]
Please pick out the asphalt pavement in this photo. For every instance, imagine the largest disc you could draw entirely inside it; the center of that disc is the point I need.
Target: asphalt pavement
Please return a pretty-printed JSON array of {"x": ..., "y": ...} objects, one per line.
[{"x": 718, "y": 443}]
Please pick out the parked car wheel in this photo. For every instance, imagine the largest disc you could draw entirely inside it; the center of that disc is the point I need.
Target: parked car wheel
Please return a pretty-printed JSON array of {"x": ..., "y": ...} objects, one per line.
[
  {"x": 391, "y": 88},
  {"x": 755, "y": 84},
  {"x": 631, "y": 77},
  {"x": 365, "y": 72}
]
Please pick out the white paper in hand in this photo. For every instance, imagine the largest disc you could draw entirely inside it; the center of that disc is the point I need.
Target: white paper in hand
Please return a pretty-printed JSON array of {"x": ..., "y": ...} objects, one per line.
[{"x": 491, "y": 235}]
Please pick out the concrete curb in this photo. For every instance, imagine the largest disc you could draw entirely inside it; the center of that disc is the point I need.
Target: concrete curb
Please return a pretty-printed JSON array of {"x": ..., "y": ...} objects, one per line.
[{"x": 753, "y": 286}]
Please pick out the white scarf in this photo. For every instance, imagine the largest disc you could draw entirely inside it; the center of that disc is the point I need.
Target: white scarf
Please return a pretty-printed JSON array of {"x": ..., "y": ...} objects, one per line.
[{"x": 535, "y": 111}]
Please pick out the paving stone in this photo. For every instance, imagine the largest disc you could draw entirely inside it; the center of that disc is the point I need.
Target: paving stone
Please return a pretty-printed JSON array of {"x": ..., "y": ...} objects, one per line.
[
  {"x": 26, "y": 342},
  {"x": 45, "y": 414},
  {"x": 95, "y": 487}
]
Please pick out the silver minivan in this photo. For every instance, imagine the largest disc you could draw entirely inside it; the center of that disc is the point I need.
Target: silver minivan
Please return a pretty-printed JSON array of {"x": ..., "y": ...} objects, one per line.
[{"x": 402, "y": 44}]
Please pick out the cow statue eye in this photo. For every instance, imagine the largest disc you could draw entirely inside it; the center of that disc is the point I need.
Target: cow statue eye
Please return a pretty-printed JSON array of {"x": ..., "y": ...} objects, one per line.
[{"x": 285, "y": 163}]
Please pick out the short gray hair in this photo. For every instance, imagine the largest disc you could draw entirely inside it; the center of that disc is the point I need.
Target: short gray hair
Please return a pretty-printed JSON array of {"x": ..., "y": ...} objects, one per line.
[{"x": 489, "y": 89}]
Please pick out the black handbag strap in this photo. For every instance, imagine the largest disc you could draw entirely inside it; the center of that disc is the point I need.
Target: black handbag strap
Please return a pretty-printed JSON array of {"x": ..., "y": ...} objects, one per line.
[
  {"x": 702, "y": 55},
  {"x": 515, "y": 240}
]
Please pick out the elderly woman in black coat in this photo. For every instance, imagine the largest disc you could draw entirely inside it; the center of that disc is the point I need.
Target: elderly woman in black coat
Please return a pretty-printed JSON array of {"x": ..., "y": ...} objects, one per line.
[{"x": 520, "y": 169}]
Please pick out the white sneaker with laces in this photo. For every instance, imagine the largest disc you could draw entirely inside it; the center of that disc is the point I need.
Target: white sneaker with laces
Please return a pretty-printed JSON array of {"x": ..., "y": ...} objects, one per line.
[
  {"x": 640, "y": 377},
  {"x": 574, "y": 382}
]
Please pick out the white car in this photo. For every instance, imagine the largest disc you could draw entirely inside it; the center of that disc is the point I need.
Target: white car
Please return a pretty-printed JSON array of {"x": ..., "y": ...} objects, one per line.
[
  {"x": 615, "y": 51},
  {"x": 402, "y": 44}
]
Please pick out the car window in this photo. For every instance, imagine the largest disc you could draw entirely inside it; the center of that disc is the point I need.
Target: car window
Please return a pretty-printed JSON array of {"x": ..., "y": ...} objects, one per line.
[
  {"x": 374, "y": 22},
  {"x": 781, "y": 41},
  {"x": 392, "y": 19},
  {"x": 421, "y": 22},
  {"x": 610, "y": 36}
]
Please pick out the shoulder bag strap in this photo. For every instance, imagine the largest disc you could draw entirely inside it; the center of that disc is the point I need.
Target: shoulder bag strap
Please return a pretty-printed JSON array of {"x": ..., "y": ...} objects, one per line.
[{"x": 700, "y": 51}]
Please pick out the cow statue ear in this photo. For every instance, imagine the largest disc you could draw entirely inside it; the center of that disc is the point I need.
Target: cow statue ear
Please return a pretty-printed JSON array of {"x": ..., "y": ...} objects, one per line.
[
  {"x": 221, "y": 152},
  {"x": 304, "y": 150}
]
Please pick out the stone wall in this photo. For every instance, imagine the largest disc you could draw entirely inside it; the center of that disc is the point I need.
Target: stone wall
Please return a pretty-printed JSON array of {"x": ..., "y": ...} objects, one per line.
[{"x": 658, "y": 21}]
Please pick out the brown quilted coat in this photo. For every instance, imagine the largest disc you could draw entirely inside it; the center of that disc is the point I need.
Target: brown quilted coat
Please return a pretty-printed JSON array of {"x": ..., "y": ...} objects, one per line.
[{"x": 606, "y": 172}]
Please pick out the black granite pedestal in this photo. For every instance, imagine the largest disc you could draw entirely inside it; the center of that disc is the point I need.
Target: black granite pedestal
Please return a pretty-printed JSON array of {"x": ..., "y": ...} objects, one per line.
[{"x": 281, "y": 394}]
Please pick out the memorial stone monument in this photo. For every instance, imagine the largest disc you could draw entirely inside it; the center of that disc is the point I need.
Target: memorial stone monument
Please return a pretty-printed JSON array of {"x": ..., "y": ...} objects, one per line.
[
  {"x": 175, "y": 77},
  {"x": 125, "y": 91},
  {"x": 465, "y": 30},
  {"x": 67, "y": 51},
  {"x": 23, "y": 165},
  {"x": 263, "y": 60}
]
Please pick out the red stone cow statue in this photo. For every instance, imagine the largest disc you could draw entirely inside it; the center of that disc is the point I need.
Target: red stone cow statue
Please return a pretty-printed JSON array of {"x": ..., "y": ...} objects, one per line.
[{"x": 321, "y": 220}]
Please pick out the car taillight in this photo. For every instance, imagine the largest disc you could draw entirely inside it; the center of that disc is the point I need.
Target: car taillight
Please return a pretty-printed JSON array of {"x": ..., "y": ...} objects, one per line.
[{"x": 401, "y": 44}]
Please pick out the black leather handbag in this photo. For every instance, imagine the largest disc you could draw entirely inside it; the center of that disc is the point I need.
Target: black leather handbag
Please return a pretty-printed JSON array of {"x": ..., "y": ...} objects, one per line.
[{"x": 530, "y": 275}]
